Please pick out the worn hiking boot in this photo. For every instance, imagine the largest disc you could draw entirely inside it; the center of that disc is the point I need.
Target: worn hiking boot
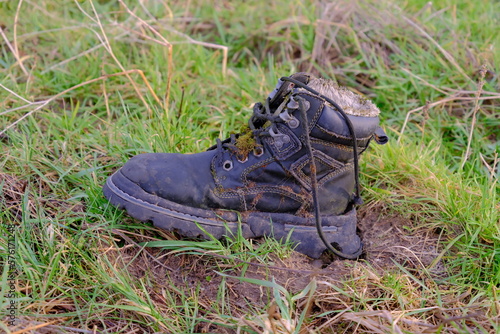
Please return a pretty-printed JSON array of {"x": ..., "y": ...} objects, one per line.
[{"x": 264, "y": 180}]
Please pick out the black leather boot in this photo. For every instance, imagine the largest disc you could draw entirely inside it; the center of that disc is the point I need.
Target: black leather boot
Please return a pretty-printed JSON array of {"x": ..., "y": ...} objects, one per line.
[{"x": 264, "y": 180}]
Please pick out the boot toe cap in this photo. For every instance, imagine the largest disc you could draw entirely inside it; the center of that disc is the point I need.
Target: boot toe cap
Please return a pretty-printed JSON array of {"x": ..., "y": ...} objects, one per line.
[{"x": 181, "y": 178}]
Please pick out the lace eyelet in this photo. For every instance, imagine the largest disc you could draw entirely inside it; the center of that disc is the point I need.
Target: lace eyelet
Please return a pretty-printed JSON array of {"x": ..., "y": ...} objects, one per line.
[
  {"x": 294, "y": 123},
  {"x": 227, "y": 165},
  {"x": 243, "y": 160},
  {"x": 258, "y": 151},
  {"x": 290, "y": 120}
]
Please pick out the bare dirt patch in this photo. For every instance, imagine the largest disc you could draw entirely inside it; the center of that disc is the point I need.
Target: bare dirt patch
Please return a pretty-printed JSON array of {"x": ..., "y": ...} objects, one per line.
[
  {"x": 390, "y": 241},
  {"x": 390, "y": 238}
]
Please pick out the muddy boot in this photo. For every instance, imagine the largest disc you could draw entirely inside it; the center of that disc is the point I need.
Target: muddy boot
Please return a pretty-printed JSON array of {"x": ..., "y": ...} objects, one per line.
[{"x": 293, "y": 172}]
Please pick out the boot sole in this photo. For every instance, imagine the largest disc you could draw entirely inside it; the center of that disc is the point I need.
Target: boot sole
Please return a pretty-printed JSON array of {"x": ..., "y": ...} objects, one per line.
[{"x": 340, "y": 230}]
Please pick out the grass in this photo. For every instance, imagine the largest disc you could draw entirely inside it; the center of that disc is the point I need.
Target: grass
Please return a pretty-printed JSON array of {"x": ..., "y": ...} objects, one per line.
[{"x": 86, "y": 85}]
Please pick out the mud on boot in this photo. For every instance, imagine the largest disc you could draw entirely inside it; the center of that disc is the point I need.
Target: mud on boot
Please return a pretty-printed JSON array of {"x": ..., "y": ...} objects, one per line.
[{"x": 294, "y": 170}]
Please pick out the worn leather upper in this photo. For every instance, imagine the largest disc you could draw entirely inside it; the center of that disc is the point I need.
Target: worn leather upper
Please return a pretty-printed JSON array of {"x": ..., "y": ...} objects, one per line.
[{"x": 275, "y": 180}]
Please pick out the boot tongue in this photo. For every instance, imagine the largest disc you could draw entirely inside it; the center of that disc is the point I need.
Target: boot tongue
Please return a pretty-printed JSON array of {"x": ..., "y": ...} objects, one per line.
[{"x": 284, "y": 87}]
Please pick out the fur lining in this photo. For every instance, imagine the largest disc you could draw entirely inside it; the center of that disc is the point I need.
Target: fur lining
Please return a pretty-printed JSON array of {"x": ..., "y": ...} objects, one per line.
[{"x": 352, "y": 103}]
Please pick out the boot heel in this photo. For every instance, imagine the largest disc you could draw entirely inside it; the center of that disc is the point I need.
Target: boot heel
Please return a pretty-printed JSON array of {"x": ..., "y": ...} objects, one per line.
[{"x": 340, "y": 232}]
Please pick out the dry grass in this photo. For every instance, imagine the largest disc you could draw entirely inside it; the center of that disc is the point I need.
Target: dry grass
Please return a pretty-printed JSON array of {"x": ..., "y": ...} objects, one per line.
[{"x": 139, "y": 87}]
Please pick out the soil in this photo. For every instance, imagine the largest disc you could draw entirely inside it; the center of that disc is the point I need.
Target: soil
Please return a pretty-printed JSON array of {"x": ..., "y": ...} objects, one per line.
[{"x": 389, "y": 239}]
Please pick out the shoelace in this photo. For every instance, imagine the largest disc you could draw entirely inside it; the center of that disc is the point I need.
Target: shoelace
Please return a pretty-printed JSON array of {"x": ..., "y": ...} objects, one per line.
[
  {"x": 262, "y": 114},
  {"x": 314, "y": 183}
]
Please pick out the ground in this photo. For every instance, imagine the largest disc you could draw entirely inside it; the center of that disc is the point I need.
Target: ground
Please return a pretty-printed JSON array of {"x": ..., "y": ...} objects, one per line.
[{"x": 85, "y": 85}]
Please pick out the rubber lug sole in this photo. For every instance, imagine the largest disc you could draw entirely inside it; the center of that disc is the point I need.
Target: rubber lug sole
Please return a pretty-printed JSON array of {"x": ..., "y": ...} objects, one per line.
[{"x": 190, "y": 222}]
